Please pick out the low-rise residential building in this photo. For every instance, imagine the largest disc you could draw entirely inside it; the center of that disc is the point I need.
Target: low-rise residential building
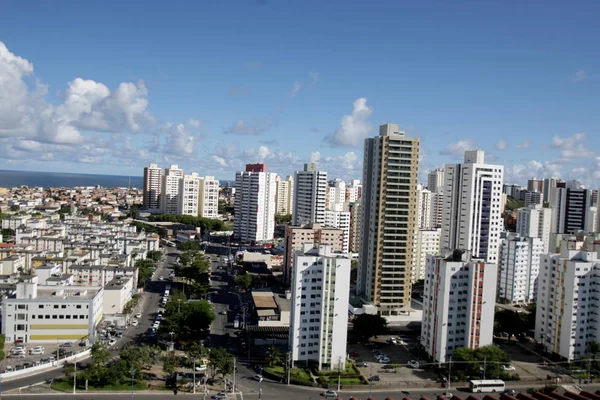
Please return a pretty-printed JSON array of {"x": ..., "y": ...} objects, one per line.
[
  {"x": 51, "y": 314},
  {"x": 459, "y": 299},
  {"x": 271, "y": 309},
  {"x": 100, "y": 275},
  {"x": 320, "y": 297},
  {"x": 12, "y": 264},
  {"x": 117, "y": 293}
]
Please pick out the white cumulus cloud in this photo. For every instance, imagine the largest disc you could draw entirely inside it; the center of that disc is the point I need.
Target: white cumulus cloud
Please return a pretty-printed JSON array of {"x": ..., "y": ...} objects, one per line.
[
  {"x": 457, "y": 149},
  {"x": 500, "y": 144},
  {"x": 579, "y": 76},
  {"x": 572, "y": 146},
  {"x": 355, "y": 127}
]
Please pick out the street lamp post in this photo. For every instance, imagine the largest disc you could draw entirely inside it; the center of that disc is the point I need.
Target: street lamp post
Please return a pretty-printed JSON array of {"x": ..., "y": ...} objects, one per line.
[
  {"x": 370, "y": 379},
  {"x": 194, "y": 381},
  {"x": 259, "y": 384},
  {"x": 172, "y": 343},
  {"x": 75, "y": 374},
  {"x": 132, "y": 381},
  {"x": 449, "y": 372}
]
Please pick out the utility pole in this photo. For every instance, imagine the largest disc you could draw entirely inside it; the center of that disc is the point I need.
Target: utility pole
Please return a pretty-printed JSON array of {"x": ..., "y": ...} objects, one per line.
[
  {"x": 132, "y": 381},
  {"x": 75, "y": 374},
  {"x": 288, "y": 364},
  {"x": 233, "y": 386},
  {"x": 449, "y": 372},
  {"x": 370, "y": 380},
  {"x": 339, "y": 372},
  {"x": 194, "y": 381},
  {"x": 484, "y": 362},
  {"x": 259, "y": 384}
]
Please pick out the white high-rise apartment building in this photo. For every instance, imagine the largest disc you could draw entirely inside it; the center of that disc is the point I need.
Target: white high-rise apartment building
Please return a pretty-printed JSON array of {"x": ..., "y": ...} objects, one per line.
[
  {"x": 427, "y": 242},
  {"x": 519, "y": 266},
  {"x": 424, "y": 200},
  {"x": 458, "y": 304},
  {"x": 170, "y": 198},
  {"x": 340, "y": 220},
  {"x": 189, "y": 187},
  {"x": 285, "y": 195},
  {"x": 310, "y": 196},
  {"x": 208, "y": 197},
  {"x": 255, "y": 205},
  {"x": 435, "y": 180},
  {"x": 535, "y": 222},
  {"x": 336, "y": 195},
  {"x": 390, "y": 171},
  {"x": 534, "y": 198},
  {"x": 152, "y": 187},
  {"x": 353, "y": 191},
  {"x": 319, "y": 315},
  {"x": 472, "y": 207},
  {"x": 566, "y": 318}
]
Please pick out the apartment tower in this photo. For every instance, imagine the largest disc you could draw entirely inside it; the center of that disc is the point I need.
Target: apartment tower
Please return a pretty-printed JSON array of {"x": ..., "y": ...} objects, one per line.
[
  {"x": 310, "y": 195},
  {"x": 472, "y": 207},
  {"x": 152, "y": 187},
  {"x": 170, "y": 197},
  {"x": 208, "y": 197},
  {"x": 390, "y": 172}
]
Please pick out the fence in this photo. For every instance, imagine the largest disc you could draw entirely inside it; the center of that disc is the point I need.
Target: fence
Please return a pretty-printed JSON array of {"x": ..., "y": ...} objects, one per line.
[{"x": 8, "y": 376}]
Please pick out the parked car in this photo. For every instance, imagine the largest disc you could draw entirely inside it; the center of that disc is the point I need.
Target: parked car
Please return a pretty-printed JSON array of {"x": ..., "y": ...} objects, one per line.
[
  {"x": 375, "y": 378},
  {"x": 508, "y": 368},
  {"x": 67, "y": 344},
  {"x": 384, "y": 360},
  {"x": 413, "y": 364},
  {"x": 138, "y": 315},
  {"x": 258, "y": 378},
  {"x": 219, "y": 396},
  {"x": 510, "y": 392},
  {"x": 447, "y": 395},
  {"x": 134, "y": 322},
  {"x": 354, "y": 354},
  {"x": 362, "y": 364},
  {"x": 330, "y": 393},
  {"x": 112, "y": 342}
]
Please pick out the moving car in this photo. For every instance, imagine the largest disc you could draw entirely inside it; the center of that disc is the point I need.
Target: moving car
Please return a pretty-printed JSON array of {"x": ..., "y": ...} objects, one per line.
[
  {"x": 138, "y": 315},
  {"x": 258, "y": 378},
  {"x": 219, "y": 396},
  {"x": 510, "y": 392},
  {"x": 508, "y": 368},
  {"x": 447, "y": 395},
  {"x": 330, "y": 393},
  {"x": 66, "y": 344},
  {"x": 413, "y": 364},
  {"x": 362, "y": 364},
  {"x": 134, "y": 322},
  {"x": 375, "y": 378}
]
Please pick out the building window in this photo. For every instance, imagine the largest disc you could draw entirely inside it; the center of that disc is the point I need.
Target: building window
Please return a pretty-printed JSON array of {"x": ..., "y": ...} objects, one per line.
[
  {"x": 78, "y": 306},
  {"x": 56, "y": 306},
  {"x": 55, "y": 317},
  {"x": 63, "y": 306}
]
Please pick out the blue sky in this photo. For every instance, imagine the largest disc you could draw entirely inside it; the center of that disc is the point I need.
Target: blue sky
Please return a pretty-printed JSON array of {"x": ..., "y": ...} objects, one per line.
[{"x": 112, "y": 86}]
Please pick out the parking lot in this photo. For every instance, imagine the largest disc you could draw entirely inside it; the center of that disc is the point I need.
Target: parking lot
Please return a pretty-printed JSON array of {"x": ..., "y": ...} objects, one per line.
[
  {"x": 398, "y": 369},
  {"x": 33, "y": 354}
]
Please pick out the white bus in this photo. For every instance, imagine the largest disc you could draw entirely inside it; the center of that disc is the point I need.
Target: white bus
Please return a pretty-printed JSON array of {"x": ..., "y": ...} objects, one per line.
[{"x": 487, "y": 386}]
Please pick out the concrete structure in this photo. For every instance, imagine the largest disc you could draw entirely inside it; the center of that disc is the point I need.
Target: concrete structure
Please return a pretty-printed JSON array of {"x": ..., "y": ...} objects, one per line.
[
  {"x": 271, "y": 309},
  {"x": 12, "y": 264},
  {"x": 390, "y": 171},
  {"x": 320, "y": 297},
  {"x": 255, "y": 205},
  {"x": 297, "y": 236},
  {"x": 437, "y": 210},
  {"x": 458, "y": 304},
  {"x": 117, "y": 293},
  {"x": 427, "y": 242},
  {"x": 518, "y": 268},
  {"x": 152, "y": 187},
  {"x": 310, "y": 196},
  {"x": 472, "y": 207},
  {"x": 533, "y": 199},
  {"x": 99, "y": 275},
  {"x": 435, "y": 180},
  {"x": 336, "y": 195},
  {"x": 169, "y": 198},
  {"x": 424, "y": 200},
  {"x": 355, "y": 212},
  {"x": 189, "y": 190},
  {"x": 340, "y": 220},
  {"x": 285, "y": 195},
  {"x": 535, "y": 222},
  {"x": 535, "y": 185},
  {"x": 353, "y": 191},
  {"x": 49, "y": 314},
  {"x": 566, "y": 317},
  {"x": 208, "y": 197},
  {"x": 570, "y": 210}
]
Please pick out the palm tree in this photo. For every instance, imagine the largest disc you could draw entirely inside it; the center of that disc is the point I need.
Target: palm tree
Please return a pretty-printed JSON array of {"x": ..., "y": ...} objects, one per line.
[{"x": 274, "y": 356}]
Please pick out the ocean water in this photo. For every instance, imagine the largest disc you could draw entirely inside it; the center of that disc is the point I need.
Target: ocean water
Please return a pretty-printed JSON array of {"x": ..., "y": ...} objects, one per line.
[{"x": 60, "y": 179}]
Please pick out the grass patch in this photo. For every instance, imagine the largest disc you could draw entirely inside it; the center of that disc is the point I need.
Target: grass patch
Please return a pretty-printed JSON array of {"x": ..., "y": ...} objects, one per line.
[
  {"x": 298, "y": 374},
  {"x": 67, "y": 386},
  {"x": 350, "y": 369}
]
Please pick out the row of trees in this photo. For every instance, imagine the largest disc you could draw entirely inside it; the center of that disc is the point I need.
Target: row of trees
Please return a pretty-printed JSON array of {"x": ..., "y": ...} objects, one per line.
[
  {"x": 147, "y": 267},
  {"x": 188, "y": 320},
  {"x": 205, "y": 224}
]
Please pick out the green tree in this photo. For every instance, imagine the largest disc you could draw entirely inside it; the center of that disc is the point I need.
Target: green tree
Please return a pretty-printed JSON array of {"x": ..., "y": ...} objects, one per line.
[
  {"x": 205, "y": 224},
  {"x": 14, "y": 207},
  {"x": 155, "y": 255},
  {"x": 274, "y": 356},
  {"x": 194, "y": 352},
  {"x": 189, "y": 320},
  {"x": 100, "y": 354},
  {"x": 145, "y": 270},
  {"x": 244, "y": 281},
  {"x": 138, "y": 357},
  {"x": 133, "y": 212},
  {"x": 366, "y": 326},
  {"x": 468, "y": 363},
  {"x": 283, "y": 219},
  {"x": 189, "y": 245},
  {"x": 170, "y": 363},
  {"x": 221, "y": 361},
  {"x": 8, "y": 233}
]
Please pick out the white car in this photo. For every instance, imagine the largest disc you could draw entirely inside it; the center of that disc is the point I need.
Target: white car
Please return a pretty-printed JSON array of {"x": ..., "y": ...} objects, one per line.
[
  {"x": 138, "y": 315},
  {"x": 112, "y": 342},
  {"x": 258, "y": 378},
  {"x": 413, "y": 364},
  {"x": 330, "y": 393},
  {"x": 134, "y": 322},
  {"x": 508, "y": 368},
  {"x": 384, "y": 360}
]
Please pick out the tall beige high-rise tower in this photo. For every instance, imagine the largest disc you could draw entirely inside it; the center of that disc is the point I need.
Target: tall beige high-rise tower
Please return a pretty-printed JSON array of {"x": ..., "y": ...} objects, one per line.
[
  {"x": 390, "y": 171},
  {"x": 152, "y": 186}
]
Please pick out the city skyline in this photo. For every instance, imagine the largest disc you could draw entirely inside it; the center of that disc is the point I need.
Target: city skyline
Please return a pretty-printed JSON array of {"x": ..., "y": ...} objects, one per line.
[{"x": 210, "y": 98}]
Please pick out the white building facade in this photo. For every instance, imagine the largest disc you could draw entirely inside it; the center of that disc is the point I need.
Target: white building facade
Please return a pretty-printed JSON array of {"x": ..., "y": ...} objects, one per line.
[
  {"x": 152, "y": 186},
  {"x": 208, "y": 197},
  {"x": 566, "y": 315},
  {"x": 170, "y": 198},
  {"x": 285, "y": 195},
  {"x": 427, "y": 242},
  {"x": 458, "y": 305},
  {"x": 518, "y": 268},
  {"x": 310, "y": 196},
  {"x": 255, "y": 206},
  {"x": 319, "y": 308},
  {"x": 535, "y": 222},
  {"x": 341, "y": 220},
  {"x": 189, "y": 189},
  {"x": 473, "y": 207}
]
